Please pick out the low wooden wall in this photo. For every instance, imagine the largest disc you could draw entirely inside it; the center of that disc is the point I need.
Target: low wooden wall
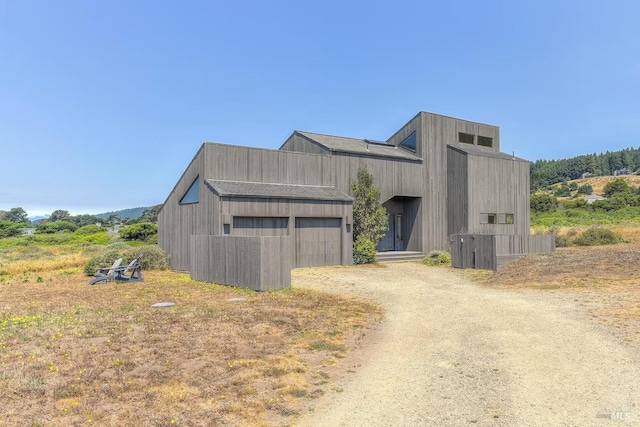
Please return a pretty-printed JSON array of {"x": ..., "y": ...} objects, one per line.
[
  {"x": 490, "y": 252},
  {"x": 258, "y": 263}
]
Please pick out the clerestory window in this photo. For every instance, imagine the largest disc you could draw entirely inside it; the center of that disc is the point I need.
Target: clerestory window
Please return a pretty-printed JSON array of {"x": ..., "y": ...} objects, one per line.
[{"x": 192, "y": 195}]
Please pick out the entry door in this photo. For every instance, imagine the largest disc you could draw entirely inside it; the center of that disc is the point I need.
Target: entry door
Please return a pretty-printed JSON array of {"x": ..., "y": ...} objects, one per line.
[{"x": 387, "y": 243}]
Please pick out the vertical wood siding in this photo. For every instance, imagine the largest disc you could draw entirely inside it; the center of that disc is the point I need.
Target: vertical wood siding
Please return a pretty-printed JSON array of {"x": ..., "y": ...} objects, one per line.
[
  {"x": 258, "y": 263},
  {"x": 490, "y": 252}
]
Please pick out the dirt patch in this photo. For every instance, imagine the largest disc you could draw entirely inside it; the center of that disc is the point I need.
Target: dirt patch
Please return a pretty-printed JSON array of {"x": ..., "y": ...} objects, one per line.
[{"x": 451, "y": 352}]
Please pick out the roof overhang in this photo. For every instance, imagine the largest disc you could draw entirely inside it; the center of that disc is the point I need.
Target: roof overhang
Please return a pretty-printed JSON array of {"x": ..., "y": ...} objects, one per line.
[{"x": 265, "y": 190}]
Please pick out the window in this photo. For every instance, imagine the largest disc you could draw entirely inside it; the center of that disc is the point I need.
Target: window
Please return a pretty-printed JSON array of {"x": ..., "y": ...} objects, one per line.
[
  {"x": 485, "y": 141},
  {"x": 399, "y": 227},
  {"x": 492, "y": 219},
  {"x": 192, "y": 195},
  {"x": 465, "y": 138},
  {"x": 509, "y": 219},
  {"x": 409, "y": 142}
]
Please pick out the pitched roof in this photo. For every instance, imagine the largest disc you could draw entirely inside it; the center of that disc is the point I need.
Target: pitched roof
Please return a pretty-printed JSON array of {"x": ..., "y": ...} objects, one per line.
[
  {"x": 343, "y": 144},
  {"x": 276, "y": 191},
  {"x": 476, "y": 151}
]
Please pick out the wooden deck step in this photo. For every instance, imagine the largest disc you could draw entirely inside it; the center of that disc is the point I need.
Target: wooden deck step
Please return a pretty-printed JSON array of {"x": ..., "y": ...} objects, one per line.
[{"x": 397, "y": 256}]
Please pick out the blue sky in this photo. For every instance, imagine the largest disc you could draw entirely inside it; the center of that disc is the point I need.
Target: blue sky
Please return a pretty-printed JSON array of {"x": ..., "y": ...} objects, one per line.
[{"x": 103, "y": 104}]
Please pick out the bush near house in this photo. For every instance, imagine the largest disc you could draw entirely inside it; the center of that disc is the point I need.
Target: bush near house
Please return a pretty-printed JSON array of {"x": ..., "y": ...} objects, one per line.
[
  {"x": 437, "y": 258},
  {"x": 597, "y": 236},
  {"x": 364, "y": 250}
]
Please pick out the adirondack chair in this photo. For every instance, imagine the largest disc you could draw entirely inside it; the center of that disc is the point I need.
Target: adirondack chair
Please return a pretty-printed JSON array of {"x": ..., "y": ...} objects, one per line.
[
  {"x": 130, "y": 273},
  {"x": 106, "y": 274},
  {"x": 120, "y": 273}
]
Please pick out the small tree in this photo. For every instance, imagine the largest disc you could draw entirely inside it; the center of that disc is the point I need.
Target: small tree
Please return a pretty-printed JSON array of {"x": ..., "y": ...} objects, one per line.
[
  {"x": 141, "y": 231},
  {"x": 16, "y": 215},
  {"x": 369, "y": 216},
  {"x": 543, "y": 203},
  {"x": 59, "y": 215},
  {"x": 618, "y": 185}
]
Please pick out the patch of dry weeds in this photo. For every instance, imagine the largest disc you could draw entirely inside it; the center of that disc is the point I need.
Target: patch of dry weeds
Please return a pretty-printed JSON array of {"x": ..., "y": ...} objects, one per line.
[{"x": 75, "y": 354}]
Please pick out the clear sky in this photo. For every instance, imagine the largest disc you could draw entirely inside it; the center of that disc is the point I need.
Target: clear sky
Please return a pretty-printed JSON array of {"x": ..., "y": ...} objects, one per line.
[{"x": 103, "y": 104}]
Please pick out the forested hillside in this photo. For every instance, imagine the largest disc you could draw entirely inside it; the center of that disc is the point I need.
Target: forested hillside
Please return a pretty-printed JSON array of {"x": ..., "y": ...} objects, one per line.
[{"x": 547, "y": 172}]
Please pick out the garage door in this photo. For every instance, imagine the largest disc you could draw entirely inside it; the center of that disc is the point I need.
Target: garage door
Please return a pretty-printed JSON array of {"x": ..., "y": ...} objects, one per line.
[
  {"x": 318, "y": 241},
  {"x": 259, "y": 226}
]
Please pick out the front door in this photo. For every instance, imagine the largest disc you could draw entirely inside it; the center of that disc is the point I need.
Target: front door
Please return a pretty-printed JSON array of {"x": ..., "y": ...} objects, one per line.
[{"x": 387, "y": 243}]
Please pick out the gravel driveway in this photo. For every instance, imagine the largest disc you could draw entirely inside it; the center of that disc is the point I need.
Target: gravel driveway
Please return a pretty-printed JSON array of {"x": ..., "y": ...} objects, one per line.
[{"x": 452, "y": 353}]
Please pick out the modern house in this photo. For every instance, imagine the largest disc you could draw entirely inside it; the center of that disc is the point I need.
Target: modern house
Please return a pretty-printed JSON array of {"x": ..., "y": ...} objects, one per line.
[{"x": 245, "y": 216}]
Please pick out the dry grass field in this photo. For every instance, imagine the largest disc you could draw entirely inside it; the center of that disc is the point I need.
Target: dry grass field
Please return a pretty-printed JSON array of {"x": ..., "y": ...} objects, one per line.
[
  {"x": 605, "y": 279},
  {"x": 73, "y": 354},
  {"x": 598, "y": 182}
]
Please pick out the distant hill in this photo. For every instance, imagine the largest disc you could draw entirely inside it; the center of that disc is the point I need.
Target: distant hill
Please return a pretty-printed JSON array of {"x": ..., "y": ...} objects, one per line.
[
  {"x": 130, "y": 213},
  {"x": 549, "y": 172},
  {"x": 37, "y": 219}
]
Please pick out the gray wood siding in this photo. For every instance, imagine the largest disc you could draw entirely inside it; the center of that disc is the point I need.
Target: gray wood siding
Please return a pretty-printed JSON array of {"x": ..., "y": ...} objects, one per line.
[
  {"x": 458, "y": 187},
  {"x": 490, "y": 252},
  {"x": 258, "y": 263},
  {"x": 498, "y": 186},
  {"x": 235, "y": 163},
  {"x": 177, "y": 222}
]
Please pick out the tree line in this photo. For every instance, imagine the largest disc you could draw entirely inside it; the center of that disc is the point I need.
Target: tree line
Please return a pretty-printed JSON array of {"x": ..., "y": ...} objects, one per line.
[
  {"x": 13, "y": 221},
  {"x": 548, "y": 172}
]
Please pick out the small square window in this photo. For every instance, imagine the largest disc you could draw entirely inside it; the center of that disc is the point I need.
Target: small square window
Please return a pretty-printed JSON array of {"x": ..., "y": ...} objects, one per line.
[
  {"x": 509, "y": 219},
  {"x": 492, "y": 219},
  {"x": 226, "y": 228},
  {"x": 465, "y": 138}
]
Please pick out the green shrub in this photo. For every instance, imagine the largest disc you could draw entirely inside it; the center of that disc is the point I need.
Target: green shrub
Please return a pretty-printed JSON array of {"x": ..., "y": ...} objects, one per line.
[
  {"x": 597, "y": 236},
  {"x": 100, "y": 238},
  {"x": 543, "y": 203},
  {"x": 140, "y": 231},
  {"x": 437, "y": 258},
  {"x": 89, "y": 229},
  {"x": 56, "y": 227},
  {"x": 562, "y": 241},
  {"x": 563, "y": 191},
  {"x": 586, "y": 189},
  {"x": 364, "y": 251},
  {"x": 10, "y": 229},
  {"x": 153, "y": 257}
]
